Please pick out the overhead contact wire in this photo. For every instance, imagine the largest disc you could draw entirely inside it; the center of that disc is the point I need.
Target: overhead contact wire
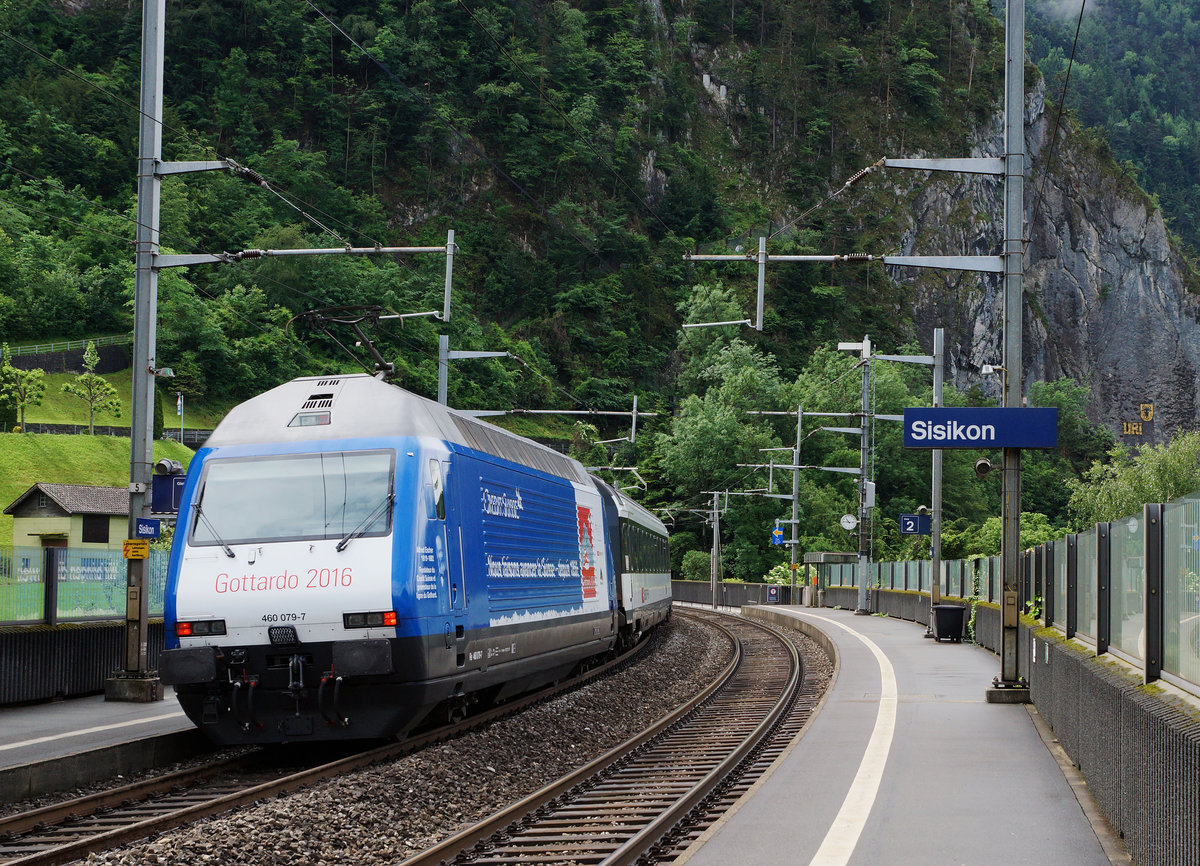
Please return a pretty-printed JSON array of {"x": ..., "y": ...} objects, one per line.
[
  {"x": 1062, "y": 99},
  {"x": 191, "y": 138}
]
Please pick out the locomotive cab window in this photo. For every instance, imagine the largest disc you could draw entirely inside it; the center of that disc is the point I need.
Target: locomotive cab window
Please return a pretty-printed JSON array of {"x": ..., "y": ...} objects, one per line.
[{"x": 295, "y": 497}]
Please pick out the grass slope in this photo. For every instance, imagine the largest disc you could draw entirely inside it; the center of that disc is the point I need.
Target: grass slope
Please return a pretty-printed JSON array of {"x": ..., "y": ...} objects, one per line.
[
  {"x": 59, "y": 407},
  {"x": 26, "y": 459}
]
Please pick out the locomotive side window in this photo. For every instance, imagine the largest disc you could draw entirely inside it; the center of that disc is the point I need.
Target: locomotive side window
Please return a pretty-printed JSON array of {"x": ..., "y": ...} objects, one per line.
[
  {"x": 294, "y": 497},
  {"x": 439, "y": 491}
]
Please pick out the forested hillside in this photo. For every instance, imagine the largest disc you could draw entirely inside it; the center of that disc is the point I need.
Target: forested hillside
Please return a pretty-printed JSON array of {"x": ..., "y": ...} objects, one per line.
[
  {"x": 1133, "y": 79},
  {"x": 577, "y": 150}
]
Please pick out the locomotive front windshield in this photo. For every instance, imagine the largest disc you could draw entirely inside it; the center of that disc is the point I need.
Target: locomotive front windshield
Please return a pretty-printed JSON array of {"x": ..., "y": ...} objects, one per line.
[{"x": 300, "y": 497}]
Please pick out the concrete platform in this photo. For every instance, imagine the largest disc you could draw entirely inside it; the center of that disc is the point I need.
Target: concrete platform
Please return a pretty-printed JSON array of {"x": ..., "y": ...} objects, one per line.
[
  {"x": 81, "y": 740},
  {"x": 907, "y": 763}
]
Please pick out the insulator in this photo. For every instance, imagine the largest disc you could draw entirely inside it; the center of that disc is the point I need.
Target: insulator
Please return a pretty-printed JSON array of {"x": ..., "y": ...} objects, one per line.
[{"x": 252, "y": 175}]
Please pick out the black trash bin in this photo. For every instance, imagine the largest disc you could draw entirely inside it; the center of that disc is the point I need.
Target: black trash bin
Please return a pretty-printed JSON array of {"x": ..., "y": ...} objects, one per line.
[{"x": 948, "y": 622}]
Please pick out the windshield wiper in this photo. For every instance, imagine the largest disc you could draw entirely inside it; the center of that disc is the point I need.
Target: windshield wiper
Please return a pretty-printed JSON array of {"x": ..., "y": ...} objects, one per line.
[
  {"x": 212, "y": 531},
  {"x": 367, "y": 521}
]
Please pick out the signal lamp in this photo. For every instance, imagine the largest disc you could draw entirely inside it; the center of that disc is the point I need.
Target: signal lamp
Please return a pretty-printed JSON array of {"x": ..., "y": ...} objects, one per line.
[
  {"x": 374, "y": 619},
  {"x": 200, "y": 628}
]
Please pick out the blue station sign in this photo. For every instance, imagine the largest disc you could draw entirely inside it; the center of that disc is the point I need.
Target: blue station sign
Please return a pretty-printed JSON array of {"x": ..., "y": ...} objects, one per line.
[
  {"x": 980, "y": 428},
  {"x": 916, "y": 524},
  {"x": 148, "y": 527}
]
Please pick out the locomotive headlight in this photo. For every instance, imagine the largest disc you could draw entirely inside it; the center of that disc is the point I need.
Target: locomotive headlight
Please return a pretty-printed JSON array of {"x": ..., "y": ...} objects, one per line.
[
  {"x": 200, "y": 628},
  {"x": 375, "y": 619}
]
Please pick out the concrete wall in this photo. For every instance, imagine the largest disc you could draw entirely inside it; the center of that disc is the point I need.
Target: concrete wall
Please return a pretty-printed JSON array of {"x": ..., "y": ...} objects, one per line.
[{"x": 41, "y": 662}]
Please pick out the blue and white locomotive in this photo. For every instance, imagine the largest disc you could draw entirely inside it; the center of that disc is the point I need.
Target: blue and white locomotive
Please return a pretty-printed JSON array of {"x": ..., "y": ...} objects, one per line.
[{"x": 352, "y": 559}]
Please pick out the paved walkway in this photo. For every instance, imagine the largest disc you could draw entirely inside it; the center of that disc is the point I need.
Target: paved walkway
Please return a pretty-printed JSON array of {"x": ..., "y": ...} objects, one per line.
[
  {"x": 906, "y": 763},
  {"x": 43, "y": 731}
]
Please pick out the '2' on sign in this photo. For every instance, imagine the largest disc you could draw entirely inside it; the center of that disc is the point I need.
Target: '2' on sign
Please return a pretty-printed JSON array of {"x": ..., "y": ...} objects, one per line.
[{"x": 914, "y": 524}]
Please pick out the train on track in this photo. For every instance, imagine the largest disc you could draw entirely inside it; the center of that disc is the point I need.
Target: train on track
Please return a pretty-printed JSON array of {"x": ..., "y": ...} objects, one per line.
[{"x": 352, "y": 560}]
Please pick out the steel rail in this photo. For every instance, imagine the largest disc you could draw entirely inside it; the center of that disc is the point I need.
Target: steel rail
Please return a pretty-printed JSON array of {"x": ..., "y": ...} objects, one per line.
[
  {"x": 649, "y": 836},
  {"x": 22, "y": 822},
  {"x": 582, "y": 822},
  {"x": 15, "y": 829}
]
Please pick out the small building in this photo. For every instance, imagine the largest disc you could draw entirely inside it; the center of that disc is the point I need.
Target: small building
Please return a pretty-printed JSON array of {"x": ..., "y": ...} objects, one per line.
[{"x": 70, "y": 515}]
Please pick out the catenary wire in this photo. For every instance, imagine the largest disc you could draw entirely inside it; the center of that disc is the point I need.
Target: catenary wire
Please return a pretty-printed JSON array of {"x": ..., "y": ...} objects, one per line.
[
  {"x": 261, "y": 180},
  {"x": 282, "y": 194},
  {"x": 1062, "y": 99},
  {"x": 415, "y": 347},
  {"x": 27, "y": 209}
]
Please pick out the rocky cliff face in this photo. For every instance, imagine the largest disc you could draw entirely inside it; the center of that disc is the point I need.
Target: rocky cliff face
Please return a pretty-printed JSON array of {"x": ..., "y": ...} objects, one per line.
[{"x": 1106, "y": 302}]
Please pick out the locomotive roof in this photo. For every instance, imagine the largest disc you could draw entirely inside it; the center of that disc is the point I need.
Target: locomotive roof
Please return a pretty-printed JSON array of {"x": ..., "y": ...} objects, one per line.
[{"x": 317, "y": 408}]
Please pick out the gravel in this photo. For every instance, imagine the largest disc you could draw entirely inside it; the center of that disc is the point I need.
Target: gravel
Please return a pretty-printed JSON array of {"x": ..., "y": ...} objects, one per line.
[{"x": 390, "y": 812}]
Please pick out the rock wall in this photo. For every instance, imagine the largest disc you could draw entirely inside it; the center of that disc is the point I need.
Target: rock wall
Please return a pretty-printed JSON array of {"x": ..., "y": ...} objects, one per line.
[{"x": 1106, "y": 303}]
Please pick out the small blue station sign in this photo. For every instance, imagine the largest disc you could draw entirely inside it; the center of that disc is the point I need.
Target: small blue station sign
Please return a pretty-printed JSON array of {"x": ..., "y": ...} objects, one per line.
[
  {"x": 148, "y": 527},
  {"x": 980, "y": 428},
  {"x": 915, "y": 524}
]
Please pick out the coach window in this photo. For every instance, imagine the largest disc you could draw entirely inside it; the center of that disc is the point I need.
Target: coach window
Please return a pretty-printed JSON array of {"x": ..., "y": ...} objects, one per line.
[{"x": 439, "y": 492}]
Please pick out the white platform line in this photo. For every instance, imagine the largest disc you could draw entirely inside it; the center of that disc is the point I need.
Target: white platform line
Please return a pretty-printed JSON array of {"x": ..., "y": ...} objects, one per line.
[
  {"x": 847, "y": 827},
  {"x": 95, "y": 730}
]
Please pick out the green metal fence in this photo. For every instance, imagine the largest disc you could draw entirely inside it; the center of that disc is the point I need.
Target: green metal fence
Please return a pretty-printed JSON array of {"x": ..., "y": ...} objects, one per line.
[{"x": 51, "y": 585}]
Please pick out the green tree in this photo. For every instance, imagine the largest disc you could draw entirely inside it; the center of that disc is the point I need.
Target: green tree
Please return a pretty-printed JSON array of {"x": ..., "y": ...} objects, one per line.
[
  {"x": 961, "y": 541},
  {"x": 1119, "y": 488},
  {"x": 585, "y": 444},
  {"x": 93, "y": 390},
  {"x": 158, "y": 413},
  {"x": 697, "y": 565},
  {"x": 1080, "y": 444},
  {"x": 19, "y": 388}
]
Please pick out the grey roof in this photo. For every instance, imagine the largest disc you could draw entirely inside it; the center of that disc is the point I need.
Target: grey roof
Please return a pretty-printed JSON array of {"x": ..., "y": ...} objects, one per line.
[{"x": 80, "y": 498}]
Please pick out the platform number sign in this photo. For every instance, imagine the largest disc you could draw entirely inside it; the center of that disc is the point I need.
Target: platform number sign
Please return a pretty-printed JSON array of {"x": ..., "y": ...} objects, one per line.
[{"x": 914, "y": 524}]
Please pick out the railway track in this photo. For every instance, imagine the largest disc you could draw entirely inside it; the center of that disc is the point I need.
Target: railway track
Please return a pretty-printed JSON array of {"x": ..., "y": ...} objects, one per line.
[
  {"x": 68, "y": 831},
  {"x": 655, "y": 794}
]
